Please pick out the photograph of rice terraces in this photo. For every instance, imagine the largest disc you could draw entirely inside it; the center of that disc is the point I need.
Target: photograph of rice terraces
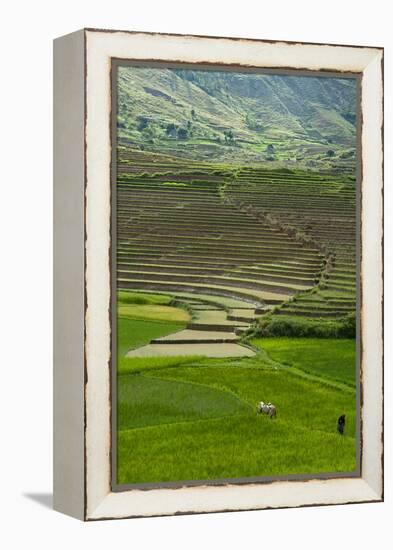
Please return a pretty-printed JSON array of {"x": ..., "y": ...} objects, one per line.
[{"x": 236, "y": 275}]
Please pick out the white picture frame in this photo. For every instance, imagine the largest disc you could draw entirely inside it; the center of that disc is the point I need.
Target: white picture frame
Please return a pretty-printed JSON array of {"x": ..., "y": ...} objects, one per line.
[{"x": 82, "y": 335}]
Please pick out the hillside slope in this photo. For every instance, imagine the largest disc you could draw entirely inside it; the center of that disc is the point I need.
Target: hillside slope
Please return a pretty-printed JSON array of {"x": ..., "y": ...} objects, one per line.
[{"x": 236, "y": 117}]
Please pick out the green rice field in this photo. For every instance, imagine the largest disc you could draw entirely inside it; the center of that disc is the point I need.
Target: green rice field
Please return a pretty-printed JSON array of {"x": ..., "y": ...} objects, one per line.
[{"x": 194, "y": 418}]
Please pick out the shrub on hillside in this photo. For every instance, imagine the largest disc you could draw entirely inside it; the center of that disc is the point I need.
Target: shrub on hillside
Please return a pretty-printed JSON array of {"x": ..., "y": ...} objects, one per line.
[
  {"x": 139, "y": 300},
  {"x": 347, "y": 327},
  {"x": 307, "y": 328}
]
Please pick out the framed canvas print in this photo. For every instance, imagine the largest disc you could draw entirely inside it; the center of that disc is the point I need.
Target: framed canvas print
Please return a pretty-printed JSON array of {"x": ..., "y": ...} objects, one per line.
[{"x": 218, "y": 274}]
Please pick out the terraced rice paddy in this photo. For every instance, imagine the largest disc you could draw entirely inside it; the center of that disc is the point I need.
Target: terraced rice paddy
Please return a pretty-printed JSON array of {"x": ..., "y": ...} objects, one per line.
[
  {"x": 320, "y": 209},
  {"x": 205, "y": 253},
  {"x": 271, "y": 242}
]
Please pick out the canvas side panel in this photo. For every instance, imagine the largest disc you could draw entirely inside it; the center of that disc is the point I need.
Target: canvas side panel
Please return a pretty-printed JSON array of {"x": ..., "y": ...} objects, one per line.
[{"x": 69, "y": 306}]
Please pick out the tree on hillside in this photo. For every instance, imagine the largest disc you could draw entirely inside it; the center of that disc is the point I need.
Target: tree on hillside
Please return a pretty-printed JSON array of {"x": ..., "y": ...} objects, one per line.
[
  {"x": 171, "y": 130},
  {"x": 330, "y": 153},
  {"x": 143, "y": 123},
  {"x": 182, "y": 133},
  {"x": 252, "y": 123},
  {"x": 193, "y": 114},
  {"x": 149, "y": 134},
  {"x": 270, "y": 149},
  {"x": 229, "y": 137}
]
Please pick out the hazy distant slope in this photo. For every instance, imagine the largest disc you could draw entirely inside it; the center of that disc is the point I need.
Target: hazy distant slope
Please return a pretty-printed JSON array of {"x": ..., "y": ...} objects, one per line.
[
  {"x": 296, "y": 102},
  {"x": 239, "y": 116}
]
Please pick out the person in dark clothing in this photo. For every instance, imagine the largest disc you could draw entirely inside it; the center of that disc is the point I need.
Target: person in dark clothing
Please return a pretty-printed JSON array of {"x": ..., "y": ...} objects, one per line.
[{"x": 341, "y": 424}]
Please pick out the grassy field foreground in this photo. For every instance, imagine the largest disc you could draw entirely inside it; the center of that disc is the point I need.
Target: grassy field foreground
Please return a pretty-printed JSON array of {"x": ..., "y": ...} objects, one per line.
[{"x": 192, "y": 418}]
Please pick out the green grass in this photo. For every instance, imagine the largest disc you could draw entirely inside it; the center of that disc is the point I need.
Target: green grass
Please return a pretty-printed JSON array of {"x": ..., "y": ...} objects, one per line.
[
  {"x": 173, "y": 445},
  {"x": 133, "y": 333},
  {"x": 330, "y": 358},
  {"x": 190, "y": 418},
  {"x": 137, "y": 365},
  {"x": 145, "y": 401},
  {"x": 154, "y": 312},
  {"x": 299, "y": 401},
  {"x": 195, "y": 418},
  {"x": 231, "y": 447},
  {"x": 125, "y": 297}
]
